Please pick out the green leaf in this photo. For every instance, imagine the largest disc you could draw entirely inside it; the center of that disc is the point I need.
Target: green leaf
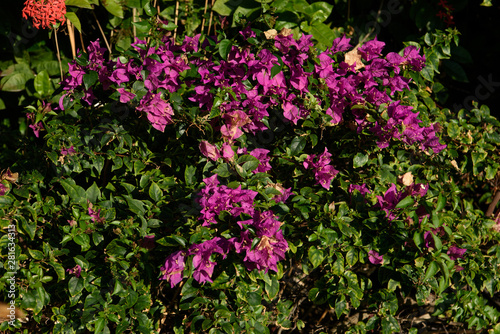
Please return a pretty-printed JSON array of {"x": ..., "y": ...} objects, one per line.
[
  {"x": 75, "y": 192},
  {"x": 431, "y": 270},
  {"x": 248, "y": 162},
  {"x": 318, "y": 11},
  {"x": 59, "y": 269},
  {"x": 83, "y": 240},
  {"x": 316, "y": 256},
  {"x": 360, "y": 160},
  {"x": 36, "y": 254},
  {"x": 273, "y": 288},
  {"x": 224, "y": 7},
  {"x": 75, "y": 286},
  {"x": 190, "y": 175},
  {"x": 392, "y": 285},
  {"x": 441, "y": 202},
  {"x": 93, "y": 193},
  {"x": 323, "y": 34},
  {"x": 79, "y": 3},
  {"x": 155, "y": 192},
  {"x": 224, "y": 48},
  {"x": 114, "y": 7},
  {"x": 150, "y": 9},
  {"x": 43, "y": 85},
  {"x": 89, "y": 79},
  {"x": 172, "y": 240},
  {"x": 338, "y": 266},
  {"x": 254, "y": 299},
  {"x": 135, "y": 205},
  {"x": 478, "y": 157},
  {"x": 340, "y": 306},
  {"x": 453, "y": 130},
  {"x": 100, "y": 324},
  {"x": 13, "y": 83},
  {"x": 418, "y": 238},
  {"x": 277, "y": 68},
  {"x": 352, "y": 257},
  {"x": 71, "y": 16},
  {"x": 406, "y": 202},
  {"x": 297, "y": 145},
  {"x": 115, "y": 248}
]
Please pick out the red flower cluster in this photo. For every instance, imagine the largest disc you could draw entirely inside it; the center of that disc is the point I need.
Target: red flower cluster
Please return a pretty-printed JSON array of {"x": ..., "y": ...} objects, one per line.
[
  {"x": 445, "y": 13},
  {"x": 44, "y": 13}
]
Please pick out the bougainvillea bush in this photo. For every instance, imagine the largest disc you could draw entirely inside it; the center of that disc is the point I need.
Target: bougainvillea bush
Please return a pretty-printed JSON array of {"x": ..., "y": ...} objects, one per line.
[{"x": 252, "y": 182}]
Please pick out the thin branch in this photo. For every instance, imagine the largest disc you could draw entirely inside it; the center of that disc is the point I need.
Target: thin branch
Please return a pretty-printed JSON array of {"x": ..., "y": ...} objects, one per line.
[
  {"x": 71, "y": 33},
  {"x": 210, "y": 20},
  {"x": 204, "y": 15},
  {"x": 134, "y": 29},
  {"x": 81, "y": 41},
  {"x": 58, "y": 54},
  {"x": 176, "y": 19},
  {"x": 103, "y": 36}
]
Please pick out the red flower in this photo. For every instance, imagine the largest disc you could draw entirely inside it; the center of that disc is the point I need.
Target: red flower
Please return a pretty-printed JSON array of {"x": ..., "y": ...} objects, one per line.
[{"x": 44, "y": 13}]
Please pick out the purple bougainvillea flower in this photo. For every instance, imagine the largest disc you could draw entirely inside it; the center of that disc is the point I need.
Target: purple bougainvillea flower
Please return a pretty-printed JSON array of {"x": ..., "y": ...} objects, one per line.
[
  {"x": 75, "y": 271},
  {"x": 159, "y": 112},
  {"x": 203, "y": 265},
  {"x": 340, "y": 44},
  {"x": 37, "y": 128},
  {"x": 272, "y": 245},
  {"x": 191, "y": 43},
  {"x": 375, "y": 258},
  {"x": 125, "y": 95},
  {"x": 119, "y": 76},
  {"x": 214, "y": 199},
  {"x": 247, "y": 33},
  {"x": 456, "y": 253},
  {"x": 95, "y": 215},
  {"x": 285, "y": 193},
  {"x": 389, "y": 201},
  {"x": 363, "y": 189},
  {"x": 261, "y": 154},
  {"x": 371, "y": 49},
  {"x": 209, "y": 150},
  {"x": 227, "y": 151},
  {"x": 429, "y": 240},
  {"x": 173, "y": 268},
  {"x": 69, "y": 151},
  {"x": 413, "y": 59},
  {"x": 323, "y": 171}
]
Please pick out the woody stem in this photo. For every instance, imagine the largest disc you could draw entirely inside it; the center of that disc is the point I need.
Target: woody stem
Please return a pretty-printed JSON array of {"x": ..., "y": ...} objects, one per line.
[{"x": 58, "y": 54}]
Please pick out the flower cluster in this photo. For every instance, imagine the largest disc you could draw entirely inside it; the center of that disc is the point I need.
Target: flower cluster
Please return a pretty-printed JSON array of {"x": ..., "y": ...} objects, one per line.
[
  {"x": 323, "y": 171},
  {"x": 162, "y": 66},
  {"x": 216, "y": 198},
  {"x": 234, "y": 93},
  {"x": 246, "y": 85},
  {"x": 45, "y": 13},
  {"x": 392, "y": 197},
  {"x": 264, "y": 226},
  {"x": 35, "y": 126},
  {"x": 401, "y": 116}
]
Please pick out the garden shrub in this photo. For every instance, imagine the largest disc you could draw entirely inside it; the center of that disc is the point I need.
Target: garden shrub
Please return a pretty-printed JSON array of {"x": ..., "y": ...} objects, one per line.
[{"x": 231, "y": 183}]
